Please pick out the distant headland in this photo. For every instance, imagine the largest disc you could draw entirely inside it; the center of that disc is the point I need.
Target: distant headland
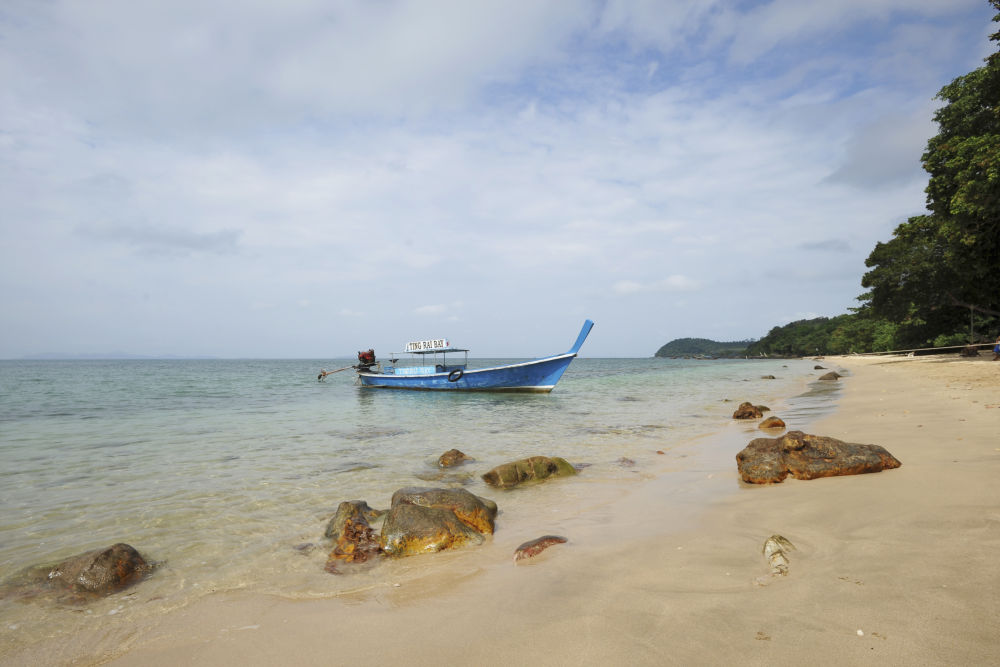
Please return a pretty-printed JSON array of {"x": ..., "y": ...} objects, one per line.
[{"x": 703, "y": 347}]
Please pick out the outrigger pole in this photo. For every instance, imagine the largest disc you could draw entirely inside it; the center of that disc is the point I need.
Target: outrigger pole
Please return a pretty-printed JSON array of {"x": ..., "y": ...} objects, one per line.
[{"x": 323, "y": 373}]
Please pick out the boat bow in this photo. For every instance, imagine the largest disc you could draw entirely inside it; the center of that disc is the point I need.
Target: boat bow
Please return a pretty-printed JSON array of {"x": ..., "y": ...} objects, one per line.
[{"x": 584, "y": 332}]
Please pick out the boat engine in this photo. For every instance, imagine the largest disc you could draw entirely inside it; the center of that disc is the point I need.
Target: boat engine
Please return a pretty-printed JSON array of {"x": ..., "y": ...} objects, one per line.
[{"x": 366, "y": 360}]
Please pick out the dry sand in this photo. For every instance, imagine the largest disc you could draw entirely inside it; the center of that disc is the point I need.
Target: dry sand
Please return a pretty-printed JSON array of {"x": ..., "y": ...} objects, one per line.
[{"x": 898, "y": 567}]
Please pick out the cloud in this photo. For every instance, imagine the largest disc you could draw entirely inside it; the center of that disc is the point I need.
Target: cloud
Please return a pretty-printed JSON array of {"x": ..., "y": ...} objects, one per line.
[
  {"x": 886, "y": 151},
  {"x": 148, "y": 239},
  {"x": 173, "y": 166},
  {"x": 674, "y": 283},
  {"x": 436, "y": 309},
  {"x": 770, "y": 25},
  {"x": 827, "y": 245},
  {"x": 301, "y": 62}
]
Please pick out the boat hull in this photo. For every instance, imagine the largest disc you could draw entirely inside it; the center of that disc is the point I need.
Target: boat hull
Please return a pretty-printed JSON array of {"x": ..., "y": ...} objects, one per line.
[{"x": 538, "y": 375}]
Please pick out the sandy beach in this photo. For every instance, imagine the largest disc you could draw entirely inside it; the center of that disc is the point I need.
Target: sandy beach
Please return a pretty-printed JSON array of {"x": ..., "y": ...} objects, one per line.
[{"x": 897, "y": 567}]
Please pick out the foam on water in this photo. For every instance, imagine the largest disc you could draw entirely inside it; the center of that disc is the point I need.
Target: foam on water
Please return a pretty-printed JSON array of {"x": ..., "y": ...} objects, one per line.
[{"x": 220, "y": 471}]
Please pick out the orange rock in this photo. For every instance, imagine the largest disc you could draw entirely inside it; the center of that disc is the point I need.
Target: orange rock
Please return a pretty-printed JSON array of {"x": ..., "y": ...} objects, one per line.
[
  {"x": 771, "y": 422},
  {"x": 804, "y": 456}
]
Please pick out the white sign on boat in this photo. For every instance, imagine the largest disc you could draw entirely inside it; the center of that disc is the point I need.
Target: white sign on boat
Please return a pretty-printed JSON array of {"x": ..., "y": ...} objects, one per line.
[{"x": 427, "y": 345}]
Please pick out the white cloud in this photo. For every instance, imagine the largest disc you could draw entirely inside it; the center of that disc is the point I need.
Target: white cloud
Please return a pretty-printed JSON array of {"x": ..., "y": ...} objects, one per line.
[
  {"x": 170, "y": 164},
  {"x": 674, "y": 283},
  {"x": 887, "y": 151}
]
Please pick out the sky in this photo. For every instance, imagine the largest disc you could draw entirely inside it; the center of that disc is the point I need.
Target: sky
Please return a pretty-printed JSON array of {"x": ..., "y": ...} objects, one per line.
[{"x": 309, "y": 178}]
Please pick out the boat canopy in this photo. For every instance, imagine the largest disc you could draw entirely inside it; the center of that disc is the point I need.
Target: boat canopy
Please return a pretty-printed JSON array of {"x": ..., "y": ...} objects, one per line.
[{"x": 439, "y": 350}]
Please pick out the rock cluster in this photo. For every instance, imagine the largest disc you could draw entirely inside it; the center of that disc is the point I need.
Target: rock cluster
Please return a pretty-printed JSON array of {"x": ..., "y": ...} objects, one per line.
[
  {"x": 419, "y": 520},
  {"x": 425, "y": 520}
]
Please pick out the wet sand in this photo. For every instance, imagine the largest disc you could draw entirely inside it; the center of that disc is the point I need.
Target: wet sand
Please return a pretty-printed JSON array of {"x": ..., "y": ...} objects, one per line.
[{"x": 898, "y": 567}]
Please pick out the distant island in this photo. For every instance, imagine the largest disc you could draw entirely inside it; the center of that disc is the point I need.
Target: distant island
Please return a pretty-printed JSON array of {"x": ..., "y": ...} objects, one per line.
[{"x": 691, "y": 347}]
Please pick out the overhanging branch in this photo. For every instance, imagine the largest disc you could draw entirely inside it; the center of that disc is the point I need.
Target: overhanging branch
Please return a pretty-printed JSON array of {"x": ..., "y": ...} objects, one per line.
[{"x": 970, "y": 306}]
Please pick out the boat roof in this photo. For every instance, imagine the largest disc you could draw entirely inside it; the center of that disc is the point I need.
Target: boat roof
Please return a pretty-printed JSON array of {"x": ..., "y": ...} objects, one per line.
[{"x": 436, "y": 350}]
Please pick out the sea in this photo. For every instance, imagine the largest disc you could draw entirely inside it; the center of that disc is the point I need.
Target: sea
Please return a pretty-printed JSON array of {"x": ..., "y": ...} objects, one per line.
[{"x": 224, "y": 473}]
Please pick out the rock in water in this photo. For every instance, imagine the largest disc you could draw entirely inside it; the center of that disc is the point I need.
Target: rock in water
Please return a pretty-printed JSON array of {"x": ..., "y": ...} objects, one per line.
[
  {"x": 536, "y": 546},
  {"x": 804, "y": 456},
  {"x": 413, "y": 529},
  {"x": 356, "y": 542},
  {"x": 830, "y": 376},
  {"x": 350, "y": 509},
  {"x": 428, "y": 520},
  {"x": 102, "y": 571},
  {"x": 748, "y": 410},
  {"x": 474, "y": 511},
  {"x": 452, "y": 457},
  {"x": 534, "y": 468},
  {"x": 772, "y": 422}
]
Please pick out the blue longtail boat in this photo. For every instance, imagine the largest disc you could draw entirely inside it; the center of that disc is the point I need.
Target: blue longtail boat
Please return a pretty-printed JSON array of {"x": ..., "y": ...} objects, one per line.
[{"x": 537, "y": 375}]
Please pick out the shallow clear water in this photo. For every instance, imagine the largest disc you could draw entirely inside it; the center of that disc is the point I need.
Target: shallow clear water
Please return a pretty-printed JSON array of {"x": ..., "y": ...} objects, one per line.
[{"x": 216, "y": 470}]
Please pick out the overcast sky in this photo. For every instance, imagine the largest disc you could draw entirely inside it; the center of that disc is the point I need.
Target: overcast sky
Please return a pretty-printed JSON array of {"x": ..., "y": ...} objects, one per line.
[{"x": 307, "y": 178}]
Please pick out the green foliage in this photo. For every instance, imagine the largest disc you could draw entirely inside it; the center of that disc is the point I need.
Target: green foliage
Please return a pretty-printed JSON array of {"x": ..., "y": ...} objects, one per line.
[
  {"x": 884, "y": 336},
  {"x": 796, "y": 339},
  {"x": 945, "y": 340},
  {"x": 844, "y": 334},
  {"x": 681, "y": 347}
]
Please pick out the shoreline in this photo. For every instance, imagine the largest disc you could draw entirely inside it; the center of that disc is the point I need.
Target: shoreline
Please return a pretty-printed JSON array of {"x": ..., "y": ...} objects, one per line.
[
  {"x": 696, "y": 471},
  {"x": 665, "y": 573},
  {"x": 904, "y": 556}
]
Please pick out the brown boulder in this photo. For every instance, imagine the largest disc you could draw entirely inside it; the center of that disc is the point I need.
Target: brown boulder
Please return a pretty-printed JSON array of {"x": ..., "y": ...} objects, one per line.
[
  {"x": 356, "y": 542},
  {"x": 748, "y": 410},
  {"x": 452, "y": 457},
  {"x": 830, "y": 376},
  {"x": 534, "y": 468},
  {"x": 350, "y": 510},
  {"x": 414, "y": 529},
  {"x": 804, "y": 456},
  {"x": 472, "y": 510},
  {"x": 772, "y": 422},
  {"x": 101, "y": 571}
]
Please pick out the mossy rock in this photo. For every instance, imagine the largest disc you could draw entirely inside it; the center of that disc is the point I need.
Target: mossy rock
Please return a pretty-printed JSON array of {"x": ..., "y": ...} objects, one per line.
[{"x": 531, "y": 469}]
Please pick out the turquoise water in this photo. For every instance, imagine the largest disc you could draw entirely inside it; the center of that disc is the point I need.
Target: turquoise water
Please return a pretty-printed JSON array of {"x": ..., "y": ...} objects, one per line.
[{"x": 217, "y": 470}]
